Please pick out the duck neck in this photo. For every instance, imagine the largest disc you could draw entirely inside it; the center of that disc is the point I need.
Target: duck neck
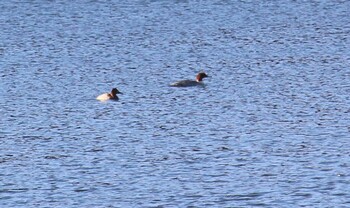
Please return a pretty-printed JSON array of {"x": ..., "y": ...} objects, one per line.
[{"x": 111, "y": 95}]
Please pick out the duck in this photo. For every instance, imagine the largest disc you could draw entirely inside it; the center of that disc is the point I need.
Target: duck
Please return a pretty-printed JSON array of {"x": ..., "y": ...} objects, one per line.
[
  {"x": 190, "y": 83},
  {"x": 109, "y": 96}
]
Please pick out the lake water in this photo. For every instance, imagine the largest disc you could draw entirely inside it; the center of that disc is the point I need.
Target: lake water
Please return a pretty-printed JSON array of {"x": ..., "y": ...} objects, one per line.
[{"x": 270, "y": 128}]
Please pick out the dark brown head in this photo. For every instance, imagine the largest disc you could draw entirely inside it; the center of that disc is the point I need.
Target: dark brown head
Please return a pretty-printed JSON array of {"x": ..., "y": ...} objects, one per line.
[
  {"x": 114, "y": 92},
  {"x": 200, "y": 76}
]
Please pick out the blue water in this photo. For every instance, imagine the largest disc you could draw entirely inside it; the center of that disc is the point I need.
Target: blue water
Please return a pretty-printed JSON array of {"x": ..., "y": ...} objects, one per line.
[{"x": 271, "y": 127}]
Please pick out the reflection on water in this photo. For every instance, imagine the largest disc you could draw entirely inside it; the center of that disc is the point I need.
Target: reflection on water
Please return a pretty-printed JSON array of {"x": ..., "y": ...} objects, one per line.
[{"x": 269, "y": 129}]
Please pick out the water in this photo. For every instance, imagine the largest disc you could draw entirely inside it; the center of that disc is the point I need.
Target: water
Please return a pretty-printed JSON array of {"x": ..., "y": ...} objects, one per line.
[{"x": 271, "y": 127}]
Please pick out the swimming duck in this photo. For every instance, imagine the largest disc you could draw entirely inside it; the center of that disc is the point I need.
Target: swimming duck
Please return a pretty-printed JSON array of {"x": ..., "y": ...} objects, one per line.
[
  {"x": 109, "y": 96},
  {"x": 190, "y": 83}
]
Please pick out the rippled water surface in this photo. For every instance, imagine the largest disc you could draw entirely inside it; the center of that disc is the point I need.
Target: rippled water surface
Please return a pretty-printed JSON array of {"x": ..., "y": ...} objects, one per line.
[{"x": 270, "y": 128}]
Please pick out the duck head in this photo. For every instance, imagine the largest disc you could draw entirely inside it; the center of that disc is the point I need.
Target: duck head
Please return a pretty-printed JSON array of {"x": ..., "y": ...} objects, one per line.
[
  {"x": 114, "y": 92},
  {"x": 200, "y": 76}
]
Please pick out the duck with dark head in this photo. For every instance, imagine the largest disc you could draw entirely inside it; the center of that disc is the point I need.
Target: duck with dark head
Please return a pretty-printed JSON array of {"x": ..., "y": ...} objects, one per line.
[
  {"x": 189, "y": 83},
  {"x": 109, "y": 96}
]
